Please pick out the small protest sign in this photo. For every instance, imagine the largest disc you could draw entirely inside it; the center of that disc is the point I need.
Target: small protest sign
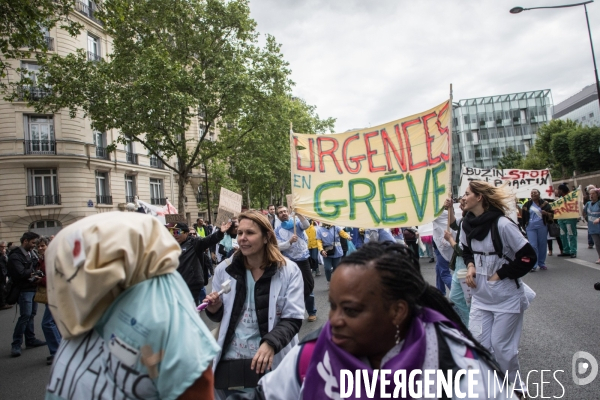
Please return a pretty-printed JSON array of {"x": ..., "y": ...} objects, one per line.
[
  {"x": 174, "y": 218},
  {"x": 567, "y": 206},
  {"x": 223, "y": 216},
  {"x": 230, "y": 205}
]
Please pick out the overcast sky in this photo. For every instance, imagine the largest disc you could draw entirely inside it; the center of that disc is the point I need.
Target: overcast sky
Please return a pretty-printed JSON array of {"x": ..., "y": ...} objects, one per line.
[{"x": 367, "y": 62}]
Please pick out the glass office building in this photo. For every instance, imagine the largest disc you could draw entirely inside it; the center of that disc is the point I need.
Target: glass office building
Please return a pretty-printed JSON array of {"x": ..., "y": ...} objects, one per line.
[
  {"x": 485, "y": 127},
  {"x": 582, "y": 107}
]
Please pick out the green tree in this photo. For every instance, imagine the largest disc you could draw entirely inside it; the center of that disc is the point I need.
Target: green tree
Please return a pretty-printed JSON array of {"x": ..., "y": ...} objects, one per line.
[
  {"x": 542, "y": 151},
  {"x": 173, "y": 61},
  {"x": 535, "y": 159},
  {"x": 563, "y": 163},
  {"x": 22, "y": 28},
  {"x": 583, "y": 148},
  {"x": 511, "y": 158}
]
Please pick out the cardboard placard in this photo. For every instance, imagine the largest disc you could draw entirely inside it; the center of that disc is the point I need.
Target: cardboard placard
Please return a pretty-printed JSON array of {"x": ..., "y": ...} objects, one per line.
[
  {"x": 223, "y": 216},
  {"x": 231, "y": 201},
  {"x": 289, "y": 198},
  {"x": 174, "y": 218}
]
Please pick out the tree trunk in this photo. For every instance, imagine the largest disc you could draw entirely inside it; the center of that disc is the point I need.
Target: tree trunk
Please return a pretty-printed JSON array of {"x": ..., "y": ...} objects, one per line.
[
  {"x": 248, "y": 195},
  {"x": 181, "y": 194}
]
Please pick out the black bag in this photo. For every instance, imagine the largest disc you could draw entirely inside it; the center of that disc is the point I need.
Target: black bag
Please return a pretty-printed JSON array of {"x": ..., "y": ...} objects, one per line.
[
  {"x": 331, "y": 249},
  {"x": 12, "y": 293},
  {"x": 553, "y": 229},
  {"x": 236, "y": 374}
]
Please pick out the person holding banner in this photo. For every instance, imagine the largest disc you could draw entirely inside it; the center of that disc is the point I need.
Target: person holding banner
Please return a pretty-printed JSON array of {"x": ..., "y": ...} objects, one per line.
[
  {"x": 591, "y": 213},
  {"x": 536, "y": 214},
  {"x": 500, "y": 298},
  {"x": 293, "y": 243},
  {"x": 568, "y": 228}
]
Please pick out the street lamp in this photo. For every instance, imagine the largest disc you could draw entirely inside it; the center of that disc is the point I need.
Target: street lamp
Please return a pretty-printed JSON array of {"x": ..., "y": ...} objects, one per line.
[{"x": 517, "y": 10}]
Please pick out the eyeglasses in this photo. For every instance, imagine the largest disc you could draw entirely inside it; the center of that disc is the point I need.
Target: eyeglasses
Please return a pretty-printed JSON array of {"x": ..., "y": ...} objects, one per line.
[{"x": 176, "y": 231}]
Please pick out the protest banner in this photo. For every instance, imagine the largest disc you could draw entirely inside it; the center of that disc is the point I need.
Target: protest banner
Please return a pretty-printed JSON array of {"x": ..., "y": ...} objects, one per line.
[
  {"x": 395, "y": 174},
  {"x": 174, "y": 218},
  {"x": 520, "y": 181},
  {"x": 230, "y": 205},
  {"x": 567, "y": 206}
]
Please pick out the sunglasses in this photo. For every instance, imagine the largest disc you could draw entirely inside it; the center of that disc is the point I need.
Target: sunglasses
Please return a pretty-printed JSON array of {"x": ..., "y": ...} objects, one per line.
[{"x": 176, "y": 231}]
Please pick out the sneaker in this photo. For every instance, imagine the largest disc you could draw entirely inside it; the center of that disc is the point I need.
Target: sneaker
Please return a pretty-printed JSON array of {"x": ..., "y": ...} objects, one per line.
[
  {"x": 533, "y": 269},
  {"x": 35, "y": 343},
  {"x": 543, "y": 268},
  {"x": 49, "y": 360},
  {"x": 431, "y": 260},
  {"x": 15, "y": 351},
  {"x": 573, "y": 255},
  {"x": 327, "y": 285},
  {"x": 591, "y": 246},
  {"x": 312, "y": 318},
  {"x": 550, "y": 253},
  {"x": 318, "y": 273},
  {"x": 598, "y": 262}
]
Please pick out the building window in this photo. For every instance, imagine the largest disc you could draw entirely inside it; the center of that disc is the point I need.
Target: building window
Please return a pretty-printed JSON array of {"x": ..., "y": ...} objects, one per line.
[
  {"x": 39, "y": 135},
  {"x": 130, "y": 155},
  {"x": 156, "y": 162},
  {"x": 43, "y": 187},
  {"x": 102, "y": 189},
  {"x": 93, "y": 48},
  {"x": 29, "y": 89},
  {"x": 156, "y": 192},
  {"x": 583, "y": 118},
  {"x": 45, "y": 228},
  {"x": 591, "y": 115},
  {"x": 100, "y": 142},
  {"x": 130, "y": 188}
]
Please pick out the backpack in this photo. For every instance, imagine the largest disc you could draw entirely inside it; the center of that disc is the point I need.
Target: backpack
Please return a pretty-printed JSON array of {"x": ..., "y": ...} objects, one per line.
[{"x": 497, "y": 242}]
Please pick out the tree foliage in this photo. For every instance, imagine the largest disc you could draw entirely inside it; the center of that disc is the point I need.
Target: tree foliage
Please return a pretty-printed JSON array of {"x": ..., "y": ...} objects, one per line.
[
  {"x": 511, "y": 158},
  {"x": 173, "y": 61},
  {"x": 22, "y": 28}
]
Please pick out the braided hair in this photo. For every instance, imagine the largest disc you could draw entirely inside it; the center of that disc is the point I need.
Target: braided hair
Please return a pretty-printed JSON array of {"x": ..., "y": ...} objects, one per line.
[{"x": 401, "y": 278}]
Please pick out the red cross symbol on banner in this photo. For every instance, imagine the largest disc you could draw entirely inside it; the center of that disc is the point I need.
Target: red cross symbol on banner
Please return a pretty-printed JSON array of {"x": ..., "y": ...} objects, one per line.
[{"x": 550, "y": 190}]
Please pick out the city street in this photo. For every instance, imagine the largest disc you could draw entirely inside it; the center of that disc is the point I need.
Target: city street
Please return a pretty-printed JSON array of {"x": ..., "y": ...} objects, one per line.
[{"x": 563, "y": 319}]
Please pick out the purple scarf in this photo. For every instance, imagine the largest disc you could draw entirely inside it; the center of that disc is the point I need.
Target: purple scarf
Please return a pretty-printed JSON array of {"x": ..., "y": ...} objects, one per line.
[{"x": 323, "y": 376}]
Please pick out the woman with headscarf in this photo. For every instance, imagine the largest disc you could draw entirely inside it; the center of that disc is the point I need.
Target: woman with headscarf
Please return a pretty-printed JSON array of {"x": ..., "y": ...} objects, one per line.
[
  {"x": 536, "y": 214},
  {"x": 262, "y": 314},
  {"x": 384, "y": 317},
  {"x": 128, "y": 320},
  {"x": 497, "y": 256}
]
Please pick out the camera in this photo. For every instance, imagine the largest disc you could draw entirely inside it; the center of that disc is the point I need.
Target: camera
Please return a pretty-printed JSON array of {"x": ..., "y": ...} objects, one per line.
[{"x": 36, "y": 274}]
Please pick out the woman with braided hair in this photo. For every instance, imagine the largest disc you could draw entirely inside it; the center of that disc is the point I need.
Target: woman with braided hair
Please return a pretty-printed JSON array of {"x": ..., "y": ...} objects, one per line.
[
  {"x": 497, "y": 256},
  {"x": 384, "y": 316}
]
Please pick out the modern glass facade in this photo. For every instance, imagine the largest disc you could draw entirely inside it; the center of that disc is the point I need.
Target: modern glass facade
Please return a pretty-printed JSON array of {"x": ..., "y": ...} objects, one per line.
[
  {"x": 582, "y": 107},
  {"x": 485, "y": 127}
]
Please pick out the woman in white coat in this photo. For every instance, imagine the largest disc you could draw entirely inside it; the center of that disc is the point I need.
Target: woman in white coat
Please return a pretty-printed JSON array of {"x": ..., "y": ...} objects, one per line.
[
  {"x": 496, "y": 259},
  {"x": 262, "y": 314}
]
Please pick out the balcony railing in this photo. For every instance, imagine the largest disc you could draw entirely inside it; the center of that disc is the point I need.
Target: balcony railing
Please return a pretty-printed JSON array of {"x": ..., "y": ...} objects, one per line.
[
  {"x": 42, "y": 200},
  {"x": 129, "y": 199},
  {"x": 40, "y": 147},
  {"x": 88, "y": 10},
  {"x": 49, "y": 42},
  {"x": 156, "y": 163},
  {"x": 158, "y": 201},
  {"x": 103, "y": 199},
  {"x": 33, "y": 93},
  {"x": 93, "y": 57},
  {"x": 132, "y": 158},
  {"x": 102, "y": 153}
]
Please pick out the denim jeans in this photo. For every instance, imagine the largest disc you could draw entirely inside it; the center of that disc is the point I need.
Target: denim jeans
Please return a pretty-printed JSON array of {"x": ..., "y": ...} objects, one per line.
[
  {"x": 28, "y": 309},
  {"x": 309, "y": 302},
  {"x": 330, "y": 264},
  {"x": 314, "y": 255},
  {"x": 51, "y": 333},
  {"x": 538, "y": 238},
  {"x": 443, "y": 277}
]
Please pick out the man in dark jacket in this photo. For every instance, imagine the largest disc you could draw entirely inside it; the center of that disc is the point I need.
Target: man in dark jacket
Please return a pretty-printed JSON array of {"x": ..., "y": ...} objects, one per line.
[
  {"x": 3, "y": 276},
  {"x": 192, "y": 255},
  {"x": 21, "y": 268}
]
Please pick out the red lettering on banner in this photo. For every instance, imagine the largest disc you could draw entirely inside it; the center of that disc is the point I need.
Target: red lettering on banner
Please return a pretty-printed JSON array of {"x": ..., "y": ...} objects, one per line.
[
  {"x": 354, "y": 159},
  {"x": 429, "y": 139},
  {"x": 387, "y": 145},
  {"x": 371, "y": 153},
  {"x": 405, "y": 126},
  {"x": 444, "y": 130},
  {"x": 311, "y": 146},
  {"x": 330, "y": 153}
]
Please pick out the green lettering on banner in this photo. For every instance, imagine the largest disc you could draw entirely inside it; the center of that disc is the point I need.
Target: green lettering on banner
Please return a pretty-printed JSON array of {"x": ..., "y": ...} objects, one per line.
[
  {"x": 421, "y": 205},
  {"x": 336, "y": 204},
  {"x": 390, "y": 199},
  {"x": 437, "y": 189},
  {"x": 362, "y": 199}
]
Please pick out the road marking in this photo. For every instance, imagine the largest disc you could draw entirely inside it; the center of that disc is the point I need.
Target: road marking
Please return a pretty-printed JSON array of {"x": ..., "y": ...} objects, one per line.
[{"x": 584, "y": 263}]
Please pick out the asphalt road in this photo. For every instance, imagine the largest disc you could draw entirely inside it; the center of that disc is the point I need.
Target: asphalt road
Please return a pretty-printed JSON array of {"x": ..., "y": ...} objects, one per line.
[{"x": 563, "y": 319}]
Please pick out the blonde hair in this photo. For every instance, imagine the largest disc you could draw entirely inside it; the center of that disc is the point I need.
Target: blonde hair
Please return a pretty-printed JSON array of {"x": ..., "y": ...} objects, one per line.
[
  {"x": 271, "y": 253},
  {"x": 498, "y": 197}
]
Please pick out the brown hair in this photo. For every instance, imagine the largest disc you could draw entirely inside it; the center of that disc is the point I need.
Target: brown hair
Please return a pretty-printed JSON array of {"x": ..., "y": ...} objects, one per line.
[
  {"x": 271, "y": 254},
  {"x": 491, "y": 195}
]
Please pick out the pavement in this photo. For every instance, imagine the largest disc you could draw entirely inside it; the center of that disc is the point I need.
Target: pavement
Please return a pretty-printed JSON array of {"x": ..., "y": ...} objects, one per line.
[{"x": 563, "y": 319}]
